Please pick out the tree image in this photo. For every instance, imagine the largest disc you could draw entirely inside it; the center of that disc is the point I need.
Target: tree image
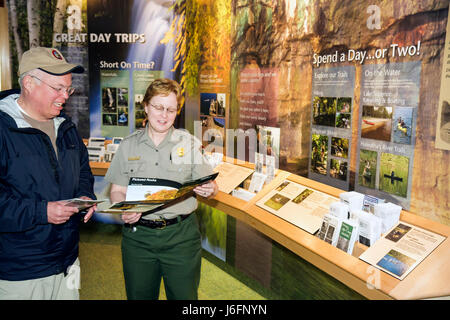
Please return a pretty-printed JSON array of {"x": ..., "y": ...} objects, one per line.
[{"x": 319, "y": 154}]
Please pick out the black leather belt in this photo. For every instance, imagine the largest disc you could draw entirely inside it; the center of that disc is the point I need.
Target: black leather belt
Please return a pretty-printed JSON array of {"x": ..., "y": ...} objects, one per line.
[{"x": 160, "y": 223}]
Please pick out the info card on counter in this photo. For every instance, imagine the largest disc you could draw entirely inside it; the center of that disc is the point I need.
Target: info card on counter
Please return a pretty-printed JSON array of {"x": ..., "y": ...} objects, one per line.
[{"x": 402, "y": 249}]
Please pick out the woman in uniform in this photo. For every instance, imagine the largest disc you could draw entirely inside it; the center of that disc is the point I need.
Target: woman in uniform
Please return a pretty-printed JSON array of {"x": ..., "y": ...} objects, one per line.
[{"x": 165, "y": 244}]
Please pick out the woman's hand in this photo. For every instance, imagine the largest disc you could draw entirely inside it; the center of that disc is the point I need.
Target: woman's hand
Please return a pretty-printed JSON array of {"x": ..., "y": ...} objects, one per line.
[
  {"x": 131, "y": 218},
  {"x": 207, "y": 190},
  {"x": 91, "y": 210}
]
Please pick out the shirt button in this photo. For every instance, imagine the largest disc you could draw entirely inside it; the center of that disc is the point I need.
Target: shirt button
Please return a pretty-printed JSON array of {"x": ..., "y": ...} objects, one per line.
[{"x": 156, "y": 163}]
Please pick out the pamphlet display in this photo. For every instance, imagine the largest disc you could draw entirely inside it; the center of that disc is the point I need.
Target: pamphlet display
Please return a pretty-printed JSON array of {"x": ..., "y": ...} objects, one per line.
[
  {"x": 369, "y": 227},
  {"x": 243, "y": 194},
  {"x": 369, "y": 203},
  {"x": 270, "y": 168},
  {"x": 389, "y": 214},
  {"x": 402, "y": 249},
  {"x": 297, "y": 204},
  {"x": 149, "y": 195},
  {"x": 339, "y": 210},
  {"x": 353, "y": 199}
]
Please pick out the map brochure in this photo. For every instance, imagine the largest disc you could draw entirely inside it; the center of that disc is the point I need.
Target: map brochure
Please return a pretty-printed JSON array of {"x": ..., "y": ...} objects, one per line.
[{"x": 147, "y": 195}]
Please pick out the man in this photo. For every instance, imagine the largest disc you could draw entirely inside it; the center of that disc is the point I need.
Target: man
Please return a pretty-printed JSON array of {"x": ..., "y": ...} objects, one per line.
[{"x": 42, "y": 161}]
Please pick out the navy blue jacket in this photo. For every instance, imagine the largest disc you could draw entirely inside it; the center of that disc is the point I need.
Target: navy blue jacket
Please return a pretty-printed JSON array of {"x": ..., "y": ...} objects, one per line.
[{"x": 31, "y": 175}]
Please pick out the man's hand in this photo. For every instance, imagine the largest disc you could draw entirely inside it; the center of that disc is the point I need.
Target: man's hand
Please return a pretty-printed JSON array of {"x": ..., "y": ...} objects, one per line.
[{"x": 58, "y": 212}]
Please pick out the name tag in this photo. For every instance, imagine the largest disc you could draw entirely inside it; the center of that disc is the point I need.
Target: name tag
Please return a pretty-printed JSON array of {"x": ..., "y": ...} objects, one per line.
[{"x": 134, "y": 158}]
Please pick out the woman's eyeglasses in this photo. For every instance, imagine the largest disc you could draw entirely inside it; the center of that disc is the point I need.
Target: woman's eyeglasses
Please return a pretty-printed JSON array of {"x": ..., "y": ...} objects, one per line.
[{"x": 161, "y": 108}]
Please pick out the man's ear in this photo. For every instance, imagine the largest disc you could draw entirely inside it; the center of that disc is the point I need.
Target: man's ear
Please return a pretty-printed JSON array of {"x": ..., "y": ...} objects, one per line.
[{"x": 27, "y": 83}]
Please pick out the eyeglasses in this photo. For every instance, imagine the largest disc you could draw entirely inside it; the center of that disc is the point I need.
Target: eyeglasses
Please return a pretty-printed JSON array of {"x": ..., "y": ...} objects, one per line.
[
  {"x": 61, "y": 90},
  {"x": 161, "y": 108}
]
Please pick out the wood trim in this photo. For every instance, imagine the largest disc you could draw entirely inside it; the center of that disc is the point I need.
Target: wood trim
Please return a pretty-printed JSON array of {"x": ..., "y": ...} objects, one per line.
[{"x": 5, "y": 61}]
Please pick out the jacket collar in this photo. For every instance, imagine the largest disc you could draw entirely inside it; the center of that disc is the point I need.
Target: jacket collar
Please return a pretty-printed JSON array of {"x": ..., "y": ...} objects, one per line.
[{"x": 9, "y": 106}]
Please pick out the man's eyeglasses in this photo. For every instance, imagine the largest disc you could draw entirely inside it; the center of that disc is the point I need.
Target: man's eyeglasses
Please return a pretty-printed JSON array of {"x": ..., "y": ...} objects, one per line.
[
  {"x": 61, "y": 90},
  {"x": 161, "y": 108}
]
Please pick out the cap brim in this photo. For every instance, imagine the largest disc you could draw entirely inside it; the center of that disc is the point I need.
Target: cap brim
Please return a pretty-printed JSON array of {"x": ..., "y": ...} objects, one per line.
[{"x": 63, "y": 69}]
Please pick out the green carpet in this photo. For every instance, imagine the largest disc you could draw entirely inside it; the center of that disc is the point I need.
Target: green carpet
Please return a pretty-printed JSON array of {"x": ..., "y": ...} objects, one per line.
[{"x": 102, "y": 277}]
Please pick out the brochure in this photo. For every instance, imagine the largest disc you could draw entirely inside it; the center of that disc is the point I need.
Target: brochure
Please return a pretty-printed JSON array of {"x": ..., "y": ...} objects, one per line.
[
  {"x": 347, "y": 235},
  {"x": 370, "y": 202},
  {"x": 257, "y": 182},
  {"x": 81, "y": 204},
  {"x": 147, "y": 195},
  {"x": 300, "y": 205},
  {"x": 329, "y": 231},
  {"x": 369, "y": 227},
  {"x": 402, "y": 249}
]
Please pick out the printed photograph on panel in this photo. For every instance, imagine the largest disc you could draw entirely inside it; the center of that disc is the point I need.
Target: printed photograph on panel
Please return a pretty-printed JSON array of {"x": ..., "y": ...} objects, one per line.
[
  {"x": 376, "y": 123},
  {"x": 367, "y": 168},
  {"x": 319, "y": 154},
  {"x": 394, "y": 174}
]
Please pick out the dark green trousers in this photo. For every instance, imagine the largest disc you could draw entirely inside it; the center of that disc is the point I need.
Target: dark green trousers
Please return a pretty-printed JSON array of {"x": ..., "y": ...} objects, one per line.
[{"x": 172, "y": 253}]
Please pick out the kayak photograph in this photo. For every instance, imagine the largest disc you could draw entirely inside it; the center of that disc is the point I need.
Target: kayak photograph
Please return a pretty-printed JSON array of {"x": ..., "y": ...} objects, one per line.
[{"x": 402, "y": 125}]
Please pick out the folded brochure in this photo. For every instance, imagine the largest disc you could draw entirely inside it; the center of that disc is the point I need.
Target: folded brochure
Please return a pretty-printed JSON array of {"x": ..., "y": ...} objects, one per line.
[
  {"x": 147, "y": 195},
  {"x": 81, "y": 204}
]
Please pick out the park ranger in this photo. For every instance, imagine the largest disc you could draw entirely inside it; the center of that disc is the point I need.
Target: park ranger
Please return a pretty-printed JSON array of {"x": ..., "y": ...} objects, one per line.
[{"x": 165, "y": 244}]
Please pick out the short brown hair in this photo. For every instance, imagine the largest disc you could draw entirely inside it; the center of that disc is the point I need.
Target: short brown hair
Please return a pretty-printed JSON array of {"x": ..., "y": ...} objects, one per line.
[{"x": 163, "y": 87}]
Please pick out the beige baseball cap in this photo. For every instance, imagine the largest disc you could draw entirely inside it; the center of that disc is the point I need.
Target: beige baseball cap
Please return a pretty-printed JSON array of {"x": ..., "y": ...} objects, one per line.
[{"x": 49, "y": 60}]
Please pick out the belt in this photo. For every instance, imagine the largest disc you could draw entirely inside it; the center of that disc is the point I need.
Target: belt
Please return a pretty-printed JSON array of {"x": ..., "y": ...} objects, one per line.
[{"x": 160, "y": 223}]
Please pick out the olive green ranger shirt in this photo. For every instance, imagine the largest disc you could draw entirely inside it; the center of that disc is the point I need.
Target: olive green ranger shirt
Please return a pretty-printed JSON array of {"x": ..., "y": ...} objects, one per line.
[{"x": 178, "y": 157}]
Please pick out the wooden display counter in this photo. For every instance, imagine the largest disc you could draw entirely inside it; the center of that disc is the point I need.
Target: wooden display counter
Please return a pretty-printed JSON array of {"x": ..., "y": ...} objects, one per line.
[
  {"x": 430, "y": 279},
  {"x": 99, "y": 168}
]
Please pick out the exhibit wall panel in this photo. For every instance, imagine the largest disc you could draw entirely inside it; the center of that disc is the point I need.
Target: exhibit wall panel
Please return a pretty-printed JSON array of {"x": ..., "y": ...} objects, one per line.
[{"x": 288, "y": 44}]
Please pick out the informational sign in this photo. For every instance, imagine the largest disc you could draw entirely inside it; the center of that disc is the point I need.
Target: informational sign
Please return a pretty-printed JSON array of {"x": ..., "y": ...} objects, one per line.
[
  {"x": 258, "y": 92},
  {"x": 124, "y": 42},
  {"x": 302, "y": 206},
  {"x": 388, "y": 112},
  {"x": 114, "y": 86},
  {"x": 402, "y": 249},
  {"x": 331, "y": 118}
]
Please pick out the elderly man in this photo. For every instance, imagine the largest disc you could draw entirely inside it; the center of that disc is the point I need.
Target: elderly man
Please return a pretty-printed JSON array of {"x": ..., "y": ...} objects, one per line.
[{"x": 43, "y": 161}]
